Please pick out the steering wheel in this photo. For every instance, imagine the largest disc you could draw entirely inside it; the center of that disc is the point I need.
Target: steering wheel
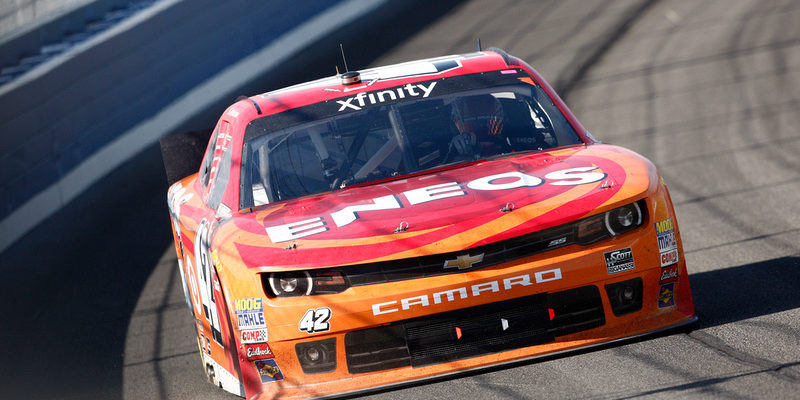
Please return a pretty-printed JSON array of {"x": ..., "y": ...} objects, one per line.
[{"x": 461, "y": 145}]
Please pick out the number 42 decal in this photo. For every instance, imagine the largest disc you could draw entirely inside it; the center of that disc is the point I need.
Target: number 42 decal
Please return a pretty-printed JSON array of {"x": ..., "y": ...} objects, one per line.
[{"x": 316, "y": 320}]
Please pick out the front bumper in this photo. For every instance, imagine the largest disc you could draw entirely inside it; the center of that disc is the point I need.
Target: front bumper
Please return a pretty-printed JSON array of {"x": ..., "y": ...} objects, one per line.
[{"x": 379, "y": 352}]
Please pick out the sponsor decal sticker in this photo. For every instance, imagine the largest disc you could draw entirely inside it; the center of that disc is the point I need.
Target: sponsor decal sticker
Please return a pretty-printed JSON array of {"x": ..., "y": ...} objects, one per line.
[
  {"x": 268, "y": 370},
  {"x": 669, "y": 258},
  {"x": 669, "y": 274},
  {"x": 255, "y": 336},
  {"x": 619, "y": 260},
  {"x": 249, "y": 313},
  {"x": 667, "y": 245},
  {"x": 666, "y": 295},
  {"x": 258, "y": 351},
  {"x": 317, "y": 320},
  {"x": 363, "y": 99}
]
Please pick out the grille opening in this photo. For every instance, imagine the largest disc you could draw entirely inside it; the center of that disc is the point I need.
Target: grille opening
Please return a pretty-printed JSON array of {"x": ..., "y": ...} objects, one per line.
[
  {"x": 474, "y": 331},
  {"x": 376, "y": 349}
]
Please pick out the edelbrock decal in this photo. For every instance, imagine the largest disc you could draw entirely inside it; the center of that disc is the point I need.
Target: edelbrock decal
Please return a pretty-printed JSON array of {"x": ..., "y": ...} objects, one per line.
[
  {"x": 669, "y": 274},
  {"x": 258, "y": 351}
]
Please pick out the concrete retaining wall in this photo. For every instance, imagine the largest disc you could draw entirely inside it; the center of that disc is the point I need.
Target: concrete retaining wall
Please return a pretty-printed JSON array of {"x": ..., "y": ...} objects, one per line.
[
  {"x": 18, "y": 14},
  {"x": 65, "y": 110}
]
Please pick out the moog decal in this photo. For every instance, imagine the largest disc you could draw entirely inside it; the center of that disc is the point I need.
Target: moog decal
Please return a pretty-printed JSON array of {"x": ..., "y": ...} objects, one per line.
[
  {"x": 667, "y": 245},
  {"x": 250, "y": 313}
]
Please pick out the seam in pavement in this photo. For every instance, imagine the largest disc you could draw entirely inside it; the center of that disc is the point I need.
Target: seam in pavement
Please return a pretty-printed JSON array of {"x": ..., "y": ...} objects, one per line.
[
  {"x": 598, "y": 50},
  {"x": 779, "y": 370}
]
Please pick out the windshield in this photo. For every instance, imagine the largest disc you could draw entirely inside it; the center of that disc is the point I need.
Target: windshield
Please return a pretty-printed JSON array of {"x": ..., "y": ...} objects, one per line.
[{"x": 397, "y": 131}]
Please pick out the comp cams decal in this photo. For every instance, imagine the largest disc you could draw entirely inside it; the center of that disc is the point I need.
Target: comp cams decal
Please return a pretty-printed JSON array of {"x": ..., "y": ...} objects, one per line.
[
  {"x": 253, "y": 336},
  {"x": 250, "y": 313},
  {"x": 316, "y": 320},
  {"x": 465, "y": 292},
  {"x": 619, "y": 260},
  {"x": 504, "y": 181},
  {"x": 268, "y": 370},
  {"x": 667, "y": 245}
]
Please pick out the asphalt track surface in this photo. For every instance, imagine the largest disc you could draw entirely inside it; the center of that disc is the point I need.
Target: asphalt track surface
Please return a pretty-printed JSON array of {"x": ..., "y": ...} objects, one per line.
[{"x": 710, "y": 91}]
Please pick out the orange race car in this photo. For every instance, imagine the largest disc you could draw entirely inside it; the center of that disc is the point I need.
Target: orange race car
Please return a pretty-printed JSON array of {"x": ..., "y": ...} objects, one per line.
[{"x": 405, "y": 222}]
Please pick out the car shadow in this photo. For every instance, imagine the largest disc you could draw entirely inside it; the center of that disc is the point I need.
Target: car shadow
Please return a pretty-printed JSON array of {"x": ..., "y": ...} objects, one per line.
[{"x": 738, "y": 293}]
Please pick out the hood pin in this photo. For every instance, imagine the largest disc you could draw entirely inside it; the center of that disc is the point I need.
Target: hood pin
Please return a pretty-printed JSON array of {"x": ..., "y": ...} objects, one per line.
[
  {"x": 402, "y": 228},
  {"x": 508, "y": 208}
]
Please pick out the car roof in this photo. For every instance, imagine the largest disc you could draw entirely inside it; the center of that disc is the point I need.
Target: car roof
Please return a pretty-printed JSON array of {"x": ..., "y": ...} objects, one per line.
[{"x": 376, "y": 78}]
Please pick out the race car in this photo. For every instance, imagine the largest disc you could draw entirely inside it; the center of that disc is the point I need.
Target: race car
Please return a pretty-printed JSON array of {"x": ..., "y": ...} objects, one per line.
[{"x": 394, "y": 224}]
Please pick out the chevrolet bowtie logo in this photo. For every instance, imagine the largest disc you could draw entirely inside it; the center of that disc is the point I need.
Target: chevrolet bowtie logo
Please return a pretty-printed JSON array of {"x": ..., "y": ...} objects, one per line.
[{"x": 464, "y": 261}]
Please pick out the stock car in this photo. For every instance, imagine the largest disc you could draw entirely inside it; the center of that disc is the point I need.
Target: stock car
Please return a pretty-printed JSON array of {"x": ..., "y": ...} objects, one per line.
[{"x": 389, "y": 225}]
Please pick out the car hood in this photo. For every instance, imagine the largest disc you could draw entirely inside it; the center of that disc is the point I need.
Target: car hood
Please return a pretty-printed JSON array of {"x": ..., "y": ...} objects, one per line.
[{"x": 442, "y": 211}]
